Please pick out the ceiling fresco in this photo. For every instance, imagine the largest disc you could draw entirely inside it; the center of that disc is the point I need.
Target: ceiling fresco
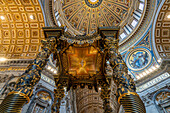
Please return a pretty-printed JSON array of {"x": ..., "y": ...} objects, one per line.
[
  {"x": 20, "y": 28},
  {"x": 141, "y": 60},
  {"x": 162, "y": 31},
  {"x": 83, "y": 17}
]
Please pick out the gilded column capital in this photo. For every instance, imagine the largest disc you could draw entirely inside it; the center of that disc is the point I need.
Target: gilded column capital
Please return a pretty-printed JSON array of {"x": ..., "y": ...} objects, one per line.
[{"x": 49, "y": 43}]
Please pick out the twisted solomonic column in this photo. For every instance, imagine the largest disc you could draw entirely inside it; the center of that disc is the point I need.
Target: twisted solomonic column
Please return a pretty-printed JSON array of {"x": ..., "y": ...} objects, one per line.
[
  {"x": 126, "y": 90},
  {"x": 58, "y": 96},
  {"x": 24, "y": 85},
  {"x": 105, "y": 96}
]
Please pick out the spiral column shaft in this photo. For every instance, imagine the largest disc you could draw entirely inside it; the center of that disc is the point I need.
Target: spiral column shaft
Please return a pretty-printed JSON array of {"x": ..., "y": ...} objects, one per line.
[
  {"x": 126, "y": 90},
  {"x": 132, "y": 104},
  {"x": 12, "y": 104}
]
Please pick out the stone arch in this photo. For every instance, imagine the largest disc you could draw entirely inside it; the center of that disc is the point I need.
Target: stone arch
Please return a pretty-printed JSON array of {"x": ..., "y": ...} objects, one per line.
[
  {"x": 41, "y": 101},
  {"x": 160, "y": 32},
  {"x": 156, "y": 103}
]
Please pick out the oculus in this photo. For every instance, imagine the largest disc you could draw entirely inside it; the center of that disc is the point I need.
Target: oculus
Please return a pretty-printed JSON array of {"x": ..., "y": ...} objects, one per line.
[{"x": 93, "y": 3}]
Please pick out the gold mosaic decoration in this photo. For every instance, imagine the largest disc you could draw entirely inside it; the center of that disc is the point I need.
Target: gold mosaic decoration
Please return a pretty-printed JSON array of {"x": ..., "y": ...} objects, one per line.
[
  {"x": 162, "y": 31},
  {"x": 82, "y": 61},
  {"x": 20, "y": 28},
  {"x": 85, "y": 16}
]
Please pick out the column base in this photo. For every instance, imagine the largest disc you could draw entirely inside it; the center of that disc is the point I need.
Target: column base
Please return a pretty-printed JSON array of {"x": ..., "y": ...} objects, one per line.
[
  {"x": 132, "y": 104},
  {"x": 12, "y": 104}
]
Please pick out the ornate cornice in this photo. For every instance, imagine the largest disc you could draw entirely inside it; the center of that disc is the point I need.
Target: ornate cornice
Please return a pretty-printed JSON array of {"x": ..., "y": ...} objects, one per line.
[{"x": 165, "y": 67}]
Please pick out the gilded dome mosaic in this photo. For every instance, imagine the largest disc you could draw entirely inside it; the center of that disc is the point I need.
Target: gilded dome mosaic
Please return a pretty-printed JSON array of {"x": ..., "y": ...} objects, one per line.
[{"x": 85, "y": 16}]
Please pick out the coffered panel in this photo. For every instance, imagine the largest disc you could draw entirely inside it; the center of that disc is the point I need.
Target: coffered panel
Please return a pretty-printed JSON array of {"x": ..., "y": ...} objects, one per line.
[{"x": 20, "y": 28}]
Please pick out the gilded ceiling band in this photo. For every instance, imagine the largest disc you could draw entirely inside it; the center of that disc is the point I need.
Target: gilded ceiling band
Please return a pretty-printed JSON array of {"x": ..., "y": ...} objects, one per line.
[
  {"x": 113, "y": 41},
  {"x": 79, "y": 37}
]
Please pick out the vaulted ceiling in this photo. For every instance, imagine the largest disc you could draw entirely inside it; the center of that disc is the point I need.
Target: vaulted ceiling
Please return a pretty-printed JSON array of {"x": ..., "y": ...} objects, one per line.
[
  {"x": 84, "y": 16},
  {"x": 162, "y": 31},
  {"x": 20, "y": 28}
]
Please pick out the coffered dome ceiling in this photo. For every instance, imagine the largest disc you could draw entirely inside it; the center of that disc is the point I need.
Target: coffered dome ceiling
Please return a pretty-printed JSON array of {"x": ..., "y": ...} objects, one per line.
[
  {"x": 20, "y": 28},
  {"x": 84, "y": 16},
  {"x": 162, "y": 31}
]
